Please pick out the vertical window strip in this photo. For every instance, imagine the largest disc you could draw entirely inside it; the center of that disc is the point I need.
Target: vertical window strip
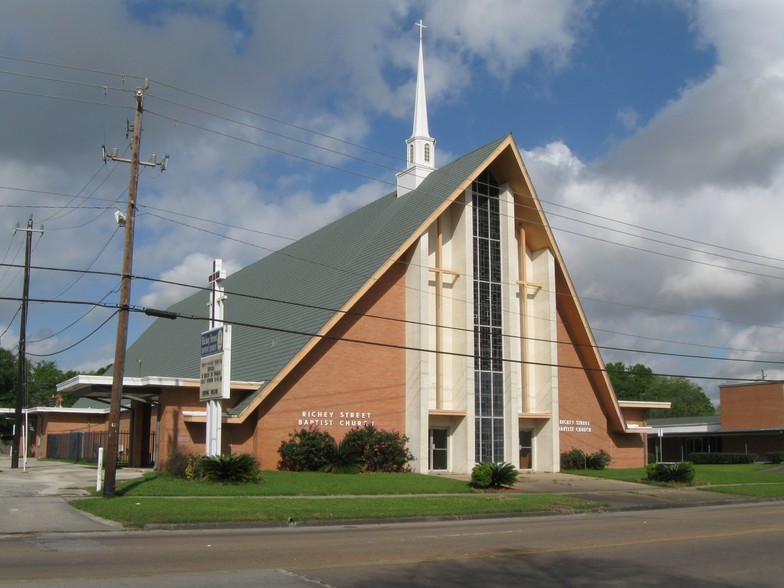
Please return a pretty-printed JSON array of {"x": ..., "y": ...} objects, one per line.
[{"x": 488, "y": 360}]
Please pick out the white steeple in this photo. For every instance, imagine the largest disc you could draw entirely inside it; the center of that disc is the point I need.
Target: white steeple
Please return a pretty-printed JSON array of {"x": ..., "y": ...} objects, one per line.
[{"x": 420, "y": 147}]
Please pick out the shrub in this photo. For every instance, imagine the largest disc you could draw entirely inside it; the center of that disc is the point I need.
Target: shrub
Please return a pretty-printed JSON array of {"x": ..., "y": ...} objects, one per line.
[
  {"x": 722, "y": 458},
  {"x": 342, "y": 458},
  {"x": 577, "y": 459},
  {"x": 182, "y": 465},
  {"x": 380, "y": 451},
  {"x": 481, "y": 476},
  {"x": 681, "y": 472},
  {"x": 503, "y": 475},
  {"x": 232, "y": 469},
  {"x": 598, "y": 460},
  {"x": 305, "y": 451},
  {"x": 775, "y": 456},
  {"x": 574, "y": 459},
  {"x": 493, "y": 475}
]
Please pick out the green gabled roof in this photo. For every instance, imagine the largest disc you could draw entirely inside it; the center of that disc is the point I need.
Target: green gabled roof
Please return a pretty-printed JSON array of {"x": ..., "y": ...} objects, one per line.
[{"x": 278, "y": 303}]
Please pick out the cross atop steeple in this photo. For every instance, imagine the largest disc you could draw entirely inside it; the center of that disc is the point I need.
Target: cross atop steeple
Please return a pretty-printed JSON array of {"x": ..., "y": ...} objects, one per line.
[
  {"x": 421, "y": 29},
  {"x": 420, "y": 147}
]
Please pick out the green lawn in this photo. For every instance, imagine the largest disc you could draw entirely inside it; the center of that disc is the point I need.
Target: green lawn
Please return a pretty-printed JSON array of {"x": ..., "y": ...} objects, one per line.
[
  {"x": 297, "y": 484},
  {"x": 302, "y": 497},
  {"x": 141, "y": 511},
  {"x": 758, "y": 479}
]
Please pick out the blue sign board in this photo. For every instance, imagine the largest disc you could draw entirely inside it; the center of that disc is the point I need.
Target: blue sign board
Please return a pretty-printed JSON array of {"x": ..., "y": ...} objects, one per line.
[{"x": 212, "y": 342}]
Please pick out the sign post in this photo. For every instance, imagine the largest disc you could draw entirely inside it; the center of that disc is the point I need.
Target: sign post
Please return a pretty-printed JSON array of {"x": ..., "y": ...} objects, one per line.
[{"x": 215, "y": 365}]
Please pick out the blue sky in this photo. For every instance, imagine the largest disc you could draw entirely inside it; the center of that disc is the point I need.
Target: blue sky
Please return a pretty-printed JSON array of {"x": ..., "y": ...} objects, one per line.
[{"x": 652, "y": 131}]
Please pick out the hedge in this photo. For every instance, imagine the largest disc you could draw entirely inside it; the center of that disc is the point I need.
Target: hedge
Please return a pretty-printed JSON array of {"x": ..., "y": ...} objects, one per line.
[
  {"x": 775, "y": 456},
  {"x": 722, "y": 458}
]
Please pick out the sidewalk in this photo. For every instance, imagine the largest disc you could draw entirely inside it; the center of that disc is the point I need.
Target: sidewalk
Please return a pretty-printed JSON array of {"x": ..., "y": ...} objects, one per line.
[
  {"x": 34, "y": 498},
  {"x": 623, "y": 495}
]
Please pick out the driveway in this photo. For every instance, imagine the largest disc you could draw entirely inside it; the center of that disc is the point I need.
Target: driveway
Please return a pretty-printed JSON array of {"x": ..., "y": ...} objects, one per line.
[{"x": 34, "y": 497}]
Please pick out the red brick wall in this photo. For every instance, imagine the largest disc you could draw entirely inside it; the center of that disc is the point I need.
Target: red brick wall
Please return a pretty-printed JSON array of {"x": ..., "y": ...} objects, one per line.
[
  {"x": 52, "y": 423},
  {"x": 756, "y": 406},
  {"x": 583, "y": 422},
  {"x": 340, "y": 377},
  {"x": 175, "y": 433}
]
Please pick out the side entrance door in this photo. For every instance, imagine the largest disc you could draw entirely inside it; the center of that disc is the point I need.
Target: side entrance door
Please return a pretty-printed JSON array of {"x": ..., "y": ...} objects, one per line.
[
  {"x": 439, "y": 453},
  {"x": 526, "y": 449}
]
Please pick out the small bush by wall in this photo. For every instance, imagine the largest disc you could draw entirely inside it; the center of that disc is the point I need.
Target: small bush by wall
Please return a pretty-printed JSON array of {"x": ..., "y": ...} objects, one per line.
[
  {"x": 681, "y": 472},
  {"x": 305, "y": 450},
  {"x": 373, "y": 450},
  {"x": 775, "y": 456},
  {"x": 577, "y": 459},
  {"x": 481, "y": 476},
  {"x": 381, "y": 451},
  {"x": 183, "y": 465},
  {"x": 722, "y": 458},
  {"x": 494, "y": 475}
]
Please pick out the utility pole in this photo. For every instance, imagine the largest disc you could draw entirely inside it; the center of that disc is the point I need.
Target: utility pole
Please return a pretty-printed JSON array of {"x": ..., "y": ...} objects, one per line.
[
  {"x": 110, "y": 475},
  {"x": 21, "y": 378}
]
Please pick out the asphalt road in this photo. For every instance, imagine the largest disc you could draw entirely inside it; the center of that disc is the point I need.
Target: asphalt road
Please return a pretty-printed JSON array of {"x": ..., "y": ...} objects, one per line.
[
  {"x": 647, "y": 536},
  {"x": 728, "y": 545}
]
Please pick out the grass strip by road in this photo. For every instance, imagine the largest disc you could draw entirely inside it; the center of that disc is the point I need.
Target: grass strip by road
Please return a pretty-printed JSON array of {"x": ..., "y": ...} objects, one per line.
[
  {"x": 757, "y": 479},
  {"x": 297, "y": 484},
  {"x": 763, "y": 490},
  {"x": 138, "y": 512},
  {"x": 310, "y": 496}
]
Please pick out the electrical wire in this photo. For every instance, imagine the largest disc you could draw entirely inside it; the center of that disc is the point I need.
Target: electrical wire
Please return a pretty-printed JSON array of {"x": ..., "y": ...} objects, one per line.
[
  {"x": 314, "y": 132},
  {"x": 61, "y": 331},
  {"x": 323, "y": 336},
  {"x": 79, "y": 342},
  {"x": 419, "y": 323},
  {"x": 554, "y": 228}
]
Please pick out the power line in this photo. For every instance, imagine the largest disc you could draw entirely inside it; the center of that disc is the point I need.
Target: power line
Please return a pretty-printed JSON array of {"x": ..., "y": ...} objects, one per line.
[
  {"x": 660, "y": 311},
  {"x": 62, "y": 81},
  {"x": 225, "y": 104},
  {"x": 273, "y": 119},
  {"x": 270, "y": 148},
  {"x": 696, "y": 241},
  {"x": 628, "y": 305},
  {"x": 72, "y": 67},
  {"x": 61, "y": 331},
  {"x": 79, "y": 342},
  {"x": 591, "y": 237},
  {"x": 419, "y": 323},
  {"x": 63, "y": 98},
  {"x": 204, "y": 318},
  {"x": 385, "y": 181}
]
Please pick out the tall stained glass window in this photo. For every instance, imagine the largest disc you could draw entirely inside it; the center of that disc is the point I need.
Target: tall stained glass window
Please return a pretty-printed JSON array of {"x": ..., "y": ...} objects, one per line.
[{"x": 488, "y": 352}]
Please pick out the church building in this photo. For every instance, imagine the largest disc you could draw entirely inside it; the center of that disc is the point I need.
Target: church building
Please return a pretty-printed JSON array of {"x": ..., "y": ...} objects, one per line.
[{"x": 442, "y": 310}]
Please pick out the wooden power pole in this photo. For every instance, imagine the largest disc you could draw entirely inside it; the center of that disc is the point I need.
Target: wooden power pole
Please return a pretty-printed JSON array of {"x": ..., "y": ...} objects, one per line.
[
  {"x": 21, "y": 378},
  {"x": 110, "y": 476}
]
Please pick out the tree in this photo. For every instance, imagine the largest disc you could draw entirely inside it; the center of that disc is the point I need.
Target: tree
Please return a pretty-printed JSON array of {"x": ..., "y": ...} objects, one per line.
[
  {"x": 42, "y": 381},
  {"x": 630, "y": 383},
  {"x": 638, "y": 382},
  {"x": 688, "y": 399},
  {"x": 7, "y": 378}
]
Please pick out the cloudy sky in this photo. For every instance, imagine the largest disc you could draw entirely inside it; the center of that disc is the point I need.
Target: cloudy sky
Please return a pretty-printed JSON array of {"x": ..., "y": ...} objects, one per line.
[{"x": 653, "y": 131}]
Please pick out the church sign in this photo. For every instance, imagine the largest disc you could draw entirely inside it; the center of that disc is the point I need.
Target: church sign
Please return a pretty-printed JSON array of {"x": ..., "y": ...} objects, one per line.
[{"x": 214, "y": 377}]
